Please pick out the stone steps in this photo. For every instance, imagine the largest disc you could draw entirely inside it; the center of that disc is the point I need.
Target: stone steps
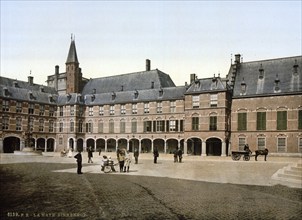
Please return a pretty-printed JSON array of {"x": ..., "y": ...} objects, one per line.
[{"x": 290, "y": 175}]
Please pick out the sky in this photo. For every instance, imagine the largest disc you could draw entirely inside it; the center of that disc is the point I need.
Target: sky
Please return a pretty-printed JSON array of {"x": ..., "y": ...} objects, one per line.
[{"x": 116, "y": 37}]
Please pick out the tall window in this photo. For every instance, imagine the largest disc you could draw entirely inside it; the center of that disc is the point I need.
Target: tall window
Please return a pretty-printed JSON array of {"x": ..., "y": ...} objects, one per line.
[
  {"x": 300, "y": 144},
  {"x": 18, "y": 124},
  {"x": 5, "y": 122},
  {"x": 90, "y": 111},
  {"x": 80, "y": 126},
  {"x": 172, "y": 125},
  {"x": 31, "y": 123},
  {"x": 133, "y": 126},
  {"x": 89, "y": 127},
  {"x": 5, "y": 105},
  {"x": 242, "y": 121},
  {"x": 261, "y": 143},
  {"x": 101, "y": 110},
  {"x": 111, "y": 111},
  {"x": 42, "y": 110},
  {"x": 195, "y": 123},
  {"x": 101, "y": 127},
  {"x": 51, "y": 126},
  {"x": 123, "y": 109},
  {"x": 147, "y": 126},
  {"x": 51, "y": 111},
  {"x": 31, "y": 108},
  {"x": 281, "y": 120},
  {"x": 159, "y": 107},
  {"x": 181, "y": 126},
  {"x": 71, "y": 126},
  {"x": 300, "y": 119},
  {"x": 61, "y": 110},
  {"x": 146, "y": 107},
  {"x": 41, "y": 125},
  {"x": 19, "y": 107},
  {"x": 213, "y": 123},
  {"x": 134, "y": 108},
  {"x": 213, "y": 100},
  {"x": 242, "y": 142},
  {"x": 81, "y": 110},
  {"x": 172, "y": 106},
  {"x": 111, "y": 126},
  {"x": 72, "y": 110},
  {"x": 281, "y": 144},
  {"x": 195, "y": 101},
  {"x": 160, "y": 125},
  {"x": 261, "y": 121},
  {"x": 61, "y": 127},
  {"x": 123, "y": 126}
]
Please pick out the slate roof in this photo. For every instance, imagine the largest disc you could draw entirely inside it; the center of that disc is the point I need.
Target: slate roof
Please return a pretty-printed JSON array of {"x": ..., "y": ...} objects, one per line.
[
  {"x": 72, "y": 54},
  {"x": 207, "y": 85},
  {"x": 279, "y": 77},
  {"x": 23, "y": 91},
  {"x": 170, "y": 93},
  {"x": 130, "y": 82}
]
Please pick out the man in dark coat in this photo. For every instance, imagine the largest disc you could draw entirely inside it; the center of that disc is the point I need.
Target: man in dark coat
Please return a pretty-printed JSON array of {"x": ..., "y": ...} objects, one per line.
[
  {"x": 136, "y": 154},
  {"x": 155, "y": 154},
  {"x": 179, "y": 152},
  {"x": 78, "y": 156},
  {"x": 90, "y": 155}
]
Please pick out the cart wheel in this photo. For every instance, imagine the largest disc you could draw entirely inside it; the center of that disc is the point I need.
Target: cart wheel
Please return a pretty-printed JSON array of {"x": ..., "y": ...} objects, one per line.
[
  {"x": 107, "y": 169},
  {"x": 246, "y": 157},
  {"x": 236, "y": 156}
]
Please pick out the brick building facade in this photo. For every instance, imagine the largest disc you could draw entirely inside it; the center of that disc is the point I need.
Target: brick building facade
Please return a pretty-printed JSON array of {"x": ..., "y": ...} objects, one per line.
[{"x": 258, "y": 103}]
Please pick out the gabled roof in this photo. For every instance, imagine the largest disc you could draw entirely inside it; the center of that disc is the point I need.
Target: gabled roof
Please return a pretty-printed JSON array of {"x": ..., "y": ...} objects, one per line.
[
  {"x": 214, "y": 84},
  {"x": 129, "y": 82},
  {"x": 269, "y": 77},
  {"x": 72, "y": 54}
]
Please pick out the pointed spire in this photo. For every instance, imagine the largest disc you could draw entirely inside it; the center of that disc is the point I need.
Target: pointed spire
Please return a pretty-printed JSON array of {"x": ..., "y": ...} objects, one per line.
[{"x": 72, "y": 54}]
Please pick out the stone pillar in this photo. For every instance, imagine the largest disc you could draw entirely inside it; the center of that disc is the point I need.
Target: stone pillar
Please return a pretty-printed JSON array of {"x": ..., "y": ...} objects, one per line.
[
  {"x": 116, "y": 145},
  {"x": 54, "y": 145},
  {"x": 94, "y": 145},
  {"x": 185, "y": 147},
  {"x": 223, "y": 150},
  {"x": 35, "y": 144},
  {"x": 105, "y": 145},
  {"x": 203, "y": 149},
  {"x": 84, "y": 146},
  {"x": 165, "y": 146},
  {"x": 152, "y": 147},
  {"x": 139, "y": 146},
  {"x": 75, "y": 145},
  {"x": 22, "y": 145},
  {"x": 1, "y": 145},
  {"x": 45, "y": 146},
  {"x": 128, "y": 143}
]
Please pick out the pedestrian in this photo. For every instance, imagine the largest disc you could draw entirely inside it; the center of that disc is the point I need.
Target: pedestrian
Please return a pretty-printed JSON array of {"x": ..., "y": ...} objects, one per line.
[
  {"x": 155, "y": 154},
  {"x": 78, "y": 156},
  {"x": 104, "y": 162},
  {"x": 136, "y": 154},
  {"x": 90, "y": 154},
  {"x": 121, "y": 158},
  {"x": 179, "y": 152},
  {"x": 127, "y": 161},
  {"x": 100, "y": 151},
  {"x": 111, "y": 164},
  {"x": 69, "y": 153},
  {"x": 175, "y": 154}
]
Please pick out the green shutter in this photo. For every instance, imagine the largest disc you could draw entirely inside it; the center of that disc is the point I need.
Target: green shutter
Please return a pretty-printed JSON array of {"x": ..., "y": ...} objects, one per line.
[
  {"x": 241, "y": 121},
  {"x": 282, "y": 120}
]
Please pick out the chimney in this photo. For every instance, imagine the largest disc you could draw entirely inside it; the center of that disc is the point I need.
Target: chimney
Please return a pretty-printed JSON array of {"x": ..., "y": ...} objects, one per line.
[
  {"x": 237, "y": 58},
  {"x": 192, "y": 77},
  {"x": 148, "y": 65},
  {"x": 30, "y": 80},
  {"x": 57, "y": 69}
]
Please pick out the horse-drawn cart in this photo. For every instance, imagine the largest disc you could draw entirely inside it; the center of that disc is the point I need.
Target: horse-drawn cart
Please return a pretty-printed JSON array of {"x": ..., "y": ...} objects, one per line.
[{"x": 236, "y": 155}]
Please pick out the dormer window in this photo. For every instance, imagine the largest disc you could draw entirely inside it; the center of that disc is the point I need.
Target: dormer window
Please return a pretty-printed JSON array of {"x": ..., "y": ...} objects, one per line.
[
  {"x": 295, "y": 68},
  {"x": 214, "y": 83},
  {"x": 41, "y": 88},
  {"x": 68, "y": 97},
  {"x": 243, "y": 87},
  {"x": 30, "y": 95},
  {"x": 113, "y": 96},
  {"x": 277, "y": 85},
  {"x": 92, "y": 98},
  {"x": 135, "y": 94},
  {"x": 5, "y": 92},
  {"x": 50, "y": 98},
  {"x": 261, "y": 72},
  {"x": 79, "y": 98},
  {"x": 161, "y": 92},
  {"x": 15, "y": 83},
  {"x": 94, "y": 91}
]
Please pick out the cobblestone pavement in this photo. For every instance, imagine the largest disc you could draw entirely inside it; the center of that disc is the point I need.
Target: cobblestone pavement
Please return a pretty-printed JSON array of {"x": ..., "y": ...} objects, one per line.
[{"x": 150, "y": 191}]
